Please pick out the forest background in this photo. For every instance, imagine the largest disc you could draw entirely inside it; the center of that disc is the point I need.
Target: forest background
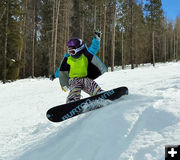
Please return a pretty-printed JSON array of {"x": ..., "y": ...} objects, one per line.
[{"x": 33, "y": 33}]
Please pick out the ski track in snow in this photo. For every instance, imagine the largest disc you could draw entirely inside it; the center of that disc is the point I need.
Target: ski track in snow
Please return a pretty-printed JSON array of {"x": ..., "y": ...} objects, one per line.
[{"x": 135, "y": 127}]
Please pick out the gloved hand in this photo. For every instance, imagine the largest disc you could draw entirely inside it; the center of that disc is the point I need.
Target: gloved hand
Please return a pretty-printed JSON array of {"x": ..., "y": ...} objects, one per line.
[
  {"x": 52, "y": 77},
  {"x": 64, "y": 88},
  {"x": 98, "y": 34}
]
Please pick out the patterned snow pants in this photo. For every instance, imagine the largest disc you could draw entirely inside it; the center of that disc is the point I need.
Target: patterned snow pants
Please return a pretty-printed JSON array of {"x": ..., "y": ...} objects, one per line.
[{"x": 87, "y": 85}]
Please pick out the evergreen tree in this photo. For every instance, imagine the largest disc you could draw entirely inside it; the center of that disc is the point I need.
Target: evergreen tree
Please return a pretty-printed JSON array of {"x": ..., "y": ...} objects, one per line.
[
  {"x": 154, "y": 18},
  {"x": 11, "y": 39},
  {"x": 46, "y": 31},
  {"x": 177, "y": 37}
]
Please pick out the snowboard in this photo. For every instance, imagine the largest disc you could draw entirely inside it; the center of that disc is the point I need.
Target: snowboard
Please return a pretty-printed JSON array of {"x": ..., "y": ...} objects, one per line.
[{"x": 65, "y": 111}]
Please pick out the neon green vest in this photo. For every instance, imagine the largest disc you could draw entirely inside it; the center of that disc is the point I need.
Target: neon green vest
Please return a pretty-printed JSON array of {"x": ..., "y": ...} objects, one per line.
[{"x": 78, "y": 66}]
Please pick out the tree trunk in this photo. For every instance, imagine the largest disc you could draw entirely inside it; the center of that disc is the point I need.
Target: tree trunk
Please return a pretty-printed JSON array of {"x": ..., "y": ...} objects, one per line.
[
  {"x": 55, "y": 38},
  {"x": 5, "y": 45},
  {"x": 104, "y": 34},
  {"x": 113, "y": 38},
  {"x": 131, "y": 33},
  {"x": 24, "y": 38},
  {"x": 171, "y": 47},
  {"x": 177, "y": 45},
  {"x": 174, "y": 46},
  {"x": 52, "y": 40},
  {"x": 122, "y": 59},
  {"x": 33, "y": 40},
  {"x": 94, "y": 14},
  {"x": 83, "y": 21},
  {"x": 135, "y": 50},
  {"x": 153, "y": 53},
  {"x": 68, "y": 19},
  {"x": 165, "y": 50},
  {"x": 82, "y": 32},
  {"x": 66, "y": 25}
]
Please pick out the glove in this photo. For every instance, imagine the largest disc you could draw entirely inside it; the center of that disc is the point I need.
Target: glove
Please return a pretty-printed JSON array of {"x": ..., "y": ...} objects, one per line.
[
  {"x": 98, "y": 34},
  {"x": 52, "y": 77},
  {"x": 64, "y": 88}
]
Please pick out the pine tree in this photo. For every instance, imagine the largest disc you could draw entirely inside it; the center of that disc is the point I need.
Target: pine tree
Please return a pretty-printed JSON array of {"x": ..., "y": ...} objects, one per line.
[
  {"x": 177, "y": 38},
  {"x": 154, "y": 17},
  {"x": 45, "y": 56},
  {"x": 11, "y": 39}
]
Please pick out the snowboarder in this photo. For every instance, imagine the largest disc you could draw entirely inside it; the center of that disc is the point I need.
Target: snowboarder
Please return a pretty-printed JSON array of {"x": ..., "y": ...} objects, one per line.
[{"x": 79, "y": 67}]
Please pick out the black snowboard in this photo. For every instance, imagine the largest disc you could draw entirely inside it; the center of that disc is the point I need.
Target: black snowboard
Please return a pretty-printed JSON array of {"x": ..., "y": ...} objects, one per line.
[{"x": 65, "y": 111}]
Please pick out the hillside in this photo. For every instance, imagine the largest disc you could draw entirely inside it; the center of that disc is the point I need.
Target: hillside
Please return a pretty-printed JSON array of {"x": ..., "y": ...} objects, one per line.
[{"x": 135, "y": 127}]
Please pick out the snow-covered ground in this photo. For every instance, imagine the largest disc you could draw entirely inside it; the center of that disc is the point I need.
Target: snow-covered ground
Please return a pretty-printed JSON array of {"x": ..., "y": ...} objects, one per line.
[{"x": 135, "y": 127}]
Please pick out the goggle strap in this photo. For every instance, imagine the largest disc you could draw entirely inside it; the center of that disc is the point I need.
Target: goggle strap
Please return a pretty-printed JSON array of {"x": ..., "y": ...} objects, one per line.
[{"x": 77, "y": 49}]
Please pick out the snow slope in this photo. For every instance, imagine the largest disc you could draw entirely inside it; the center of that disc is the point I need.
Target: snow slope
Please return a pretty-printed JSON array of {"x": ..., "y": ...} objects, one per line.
[{"x": 135, "y": 127}]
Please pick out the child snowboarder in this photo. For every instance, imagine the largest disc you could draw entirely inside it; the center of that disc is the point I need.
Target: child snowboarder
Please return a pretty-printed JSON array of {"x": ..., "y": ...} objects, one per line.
[{"x": 79, "y": 67}]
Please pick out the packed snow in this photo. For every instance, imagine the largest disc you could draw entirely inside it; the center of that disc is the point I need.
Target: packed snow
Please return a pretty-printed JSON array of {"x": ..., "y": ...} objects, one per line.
[{"x": 135, "y": 127}]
